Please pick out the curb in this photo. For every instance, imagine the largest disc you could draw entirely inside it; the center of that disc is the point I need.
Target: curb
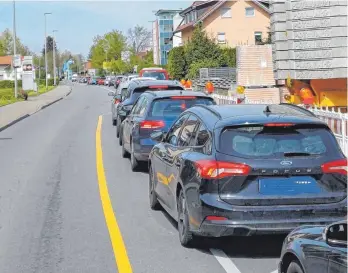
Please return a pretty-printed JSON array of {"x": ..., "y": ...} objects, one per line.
[
  {"x": 28, "y": 115},
  {"x": 14, "y": 122}
]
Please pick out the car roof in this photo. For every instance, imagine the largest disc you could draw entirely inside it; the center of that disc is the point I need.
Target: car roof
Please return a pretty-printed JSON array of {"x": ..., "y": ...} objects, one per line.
[
  {"x": 171, "y": 93},
  {"x": 142, "y": 83},
  {"x": 152, "y": 68},
  {"x": 239, "y": 114}
]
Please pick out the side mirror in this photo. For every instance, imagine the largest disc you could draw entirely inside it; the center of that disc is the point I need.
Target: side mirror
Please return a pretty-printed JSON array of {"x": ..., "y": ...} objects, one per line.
[
  {"x": 111, "y": 94},
  {"x": 158, "y": 136},
  {"x": 336, "y": 234}
]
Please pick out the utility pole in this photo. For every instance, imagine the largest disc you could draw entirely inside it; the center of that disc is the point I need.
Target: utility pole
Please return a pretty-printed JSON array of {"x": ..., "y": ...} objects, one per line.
[
  {"x": 46, "y": 13},
  {"x": 39, "y": 69},
  {"x": 54, "y": 58},
  {"x": 15, "y": 48}
]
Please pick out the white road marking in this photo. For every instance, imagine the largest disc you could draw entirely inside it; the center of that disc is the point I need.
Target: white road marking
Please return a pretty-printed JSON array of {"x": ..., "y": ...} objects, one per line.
[{"x": 224, "y": 261}]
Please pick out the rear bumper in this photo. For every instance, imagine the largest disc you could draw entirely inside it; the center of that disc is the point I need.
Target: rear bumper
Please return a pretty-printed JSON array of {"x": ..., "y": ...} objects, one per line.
[
  {"x": 246, "y": 221},
  {"x": 142, "y": 148}
]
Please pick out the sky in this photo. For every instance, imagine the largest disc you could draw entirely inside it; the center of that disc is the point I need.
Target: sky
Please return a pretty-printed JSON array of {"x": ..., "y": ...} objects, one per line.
[{"x": 78, "y": 22}]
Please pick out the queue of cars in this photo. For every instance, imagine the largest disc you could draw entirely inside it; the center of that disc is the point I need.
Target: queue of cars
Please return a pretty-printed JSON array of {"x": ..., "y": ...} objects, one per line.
[{"x": 239, "y": 170}]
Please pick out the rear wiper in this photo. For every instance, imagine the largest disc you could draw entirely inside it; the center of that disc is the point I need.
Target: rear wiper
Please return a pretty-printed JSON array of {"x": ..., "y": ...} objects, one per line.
[{"x": 296, "y": 154}]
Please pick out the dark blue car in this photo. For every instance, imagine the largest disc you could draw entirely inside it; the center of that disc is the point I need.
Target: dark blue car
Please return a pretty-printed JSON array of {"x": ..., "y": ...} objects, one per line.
[
  {"x": 315, "y": 249},
  {"x": 239, "y": 170},
  {"x": 154, "y": 110}
]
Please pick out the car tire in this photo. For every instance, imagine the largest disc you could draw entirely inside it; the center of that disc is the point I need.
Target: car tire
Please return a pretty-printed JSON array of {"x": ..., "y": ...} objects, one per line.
[
  {"x": 185, "y": 235},
  {"x": 133, "y": 160},
  {"x": 113, "y": 122},
  {"x": 154, "y": 204},
  {"x": 124, "y": 152},
  {"x": 120, "y": 140},
  {"x": 294, "y": 267},
  {"x": 118, "y": 127}
]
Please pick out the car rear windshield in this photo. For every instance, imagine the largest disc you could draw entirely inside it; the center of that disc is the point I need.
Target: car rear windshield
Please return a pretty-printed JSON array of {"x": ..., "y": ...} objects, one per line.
[
  {"x": 154, "y": 74},
  {"x": 277, "y": 142},
  {"x": 174, "y": 107}
]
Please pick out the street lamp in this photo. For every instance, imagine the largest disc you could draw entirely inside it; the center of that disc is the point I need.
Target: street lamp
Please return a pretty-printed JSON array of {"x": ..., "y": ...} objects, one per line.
[
  {"x": 46, "y": 13},
  {"x": 54, "y": 58},
  {"x": 15, "y": 49}
]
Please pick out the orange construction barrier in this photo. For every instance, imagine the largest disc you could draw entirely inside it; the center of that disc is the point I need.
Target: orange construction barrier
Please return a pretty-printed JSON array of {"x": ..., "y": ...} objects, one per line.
[
  {"x": 209, "y": 87},
  {"x": 183, "y": 82}
]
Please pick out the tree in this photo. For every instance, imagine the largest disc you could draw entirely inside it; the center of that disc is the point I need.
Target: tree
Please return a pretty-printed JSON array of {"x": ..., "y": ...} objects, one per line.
[
  {"x": 6, "y": 45},
  {"x": 139, "y": 39},
  {"x": 177, "y": 63},
  {"x": 201, "y": 48},
  {"x": 106, "y": 48},
  {"x": 49, "y": 44},
  {"x": 228, "y": 57}
]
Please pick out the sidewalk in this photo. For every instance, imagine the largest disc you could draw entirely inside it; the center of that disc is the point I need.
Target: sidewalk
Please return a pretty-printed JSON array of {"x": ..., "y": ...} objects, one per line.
[{"x": 12, "y": 113}]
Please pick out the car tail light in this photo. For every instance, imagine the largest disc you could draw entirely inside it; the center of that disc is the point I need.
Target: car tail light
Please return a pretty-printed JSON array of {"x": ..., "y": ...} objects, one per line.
[
  {"x": 158, "y": 87},
  {"x": 216, "y": 218},
  {"x": 337, "y": 166},
  {"x": 278, "y": 124},
  {"x": 219, "y": 169},
  {"x": 151, "y": 124},
  {"x": 116, "y": 101},
  {"x": 183, "y": 97}
]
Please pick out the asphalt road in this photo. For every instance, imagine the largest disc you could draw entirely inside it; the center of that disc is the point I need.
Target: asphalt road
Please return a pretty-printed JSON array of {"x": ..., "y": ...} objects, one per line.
[{"x": 55, "y": 214}]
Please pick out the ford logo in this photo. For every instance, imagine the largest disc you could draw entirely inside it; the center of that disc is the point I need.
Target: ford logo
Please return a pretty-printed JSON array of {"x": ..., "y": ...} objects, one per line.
[{"x": 286, "y": 163}]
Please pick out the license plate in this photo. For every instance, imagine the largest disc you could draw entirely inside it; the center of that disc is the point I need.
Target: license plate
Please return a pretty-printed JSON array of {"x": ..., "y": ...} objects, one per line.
[{"x": 289, "y": 186}]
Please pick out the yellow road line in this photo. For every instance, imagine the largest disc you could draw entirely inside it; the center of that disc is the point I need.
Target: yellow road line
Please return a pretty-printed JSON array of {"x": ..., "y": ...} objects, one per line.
[{"x": 118, "y": 245}]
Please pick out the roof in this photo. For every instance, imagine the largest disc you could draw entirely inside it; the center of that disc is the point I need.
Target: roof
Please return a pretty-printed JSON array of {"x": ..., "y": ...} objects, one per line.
[
  {"x": 165, "y": 94},
  {"x": 214, "y": 6},
  {"x": 255, "y": 113},
  {"x": 161, "y": 11},
  {"x": 5, "y": 60},
  {"x": 156, "y": 83}
]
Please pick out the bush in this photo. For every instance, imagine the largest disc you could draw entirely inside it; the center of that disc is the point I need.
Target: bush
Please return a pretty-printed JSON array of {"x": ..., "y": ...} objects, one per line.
[
  {"x": 9, "y": 84},
  {"x": 177, "y": 63},
  {"x": 228, "y": 57},
  {"x": 194, "y": 68}
]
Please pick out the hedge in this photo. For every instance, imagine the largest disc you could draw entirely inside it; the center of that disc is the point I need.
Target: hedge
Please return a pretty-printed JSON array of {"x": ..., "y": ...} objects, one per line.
[{"x": 10, "y": 84}]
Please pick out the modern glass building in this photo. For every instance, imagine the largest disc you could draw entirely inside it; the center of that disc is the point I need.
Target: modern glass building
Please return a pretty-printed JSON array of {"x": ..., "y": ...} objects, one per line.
[{"x": 165, "y": 32}]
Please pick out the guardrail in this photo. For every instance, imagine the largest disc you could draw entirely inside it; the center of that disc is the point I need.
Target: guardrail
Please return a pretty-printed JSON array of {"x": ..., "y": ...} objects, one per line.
[{"x": 336, "y": 120}]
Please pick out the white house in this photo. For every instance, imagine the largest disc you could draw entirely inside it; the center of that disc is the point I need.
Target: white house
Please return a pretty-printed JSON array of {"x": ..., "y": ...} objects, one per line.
[{"x": 6, "y": 70}]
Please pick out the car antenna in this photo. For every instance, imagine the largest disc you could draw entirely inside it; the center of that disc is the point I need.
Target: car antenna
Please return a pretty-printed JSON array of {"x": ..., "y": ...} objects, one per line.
[{"x": 267, "y": 110}]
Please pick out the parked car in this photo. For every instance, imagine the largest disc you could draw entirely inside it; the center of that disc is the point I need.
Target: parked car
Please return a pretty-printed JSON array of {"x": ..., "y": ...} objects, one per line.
[
  {"x": 92, "y": 81},
  {"x": 117, "y": 97},
  {"x": 315, "y": 249},
  {"x": 154, "y": 110},
  {"x": 108, "y": 81},
  {"x": 118, "y": 80},
  {"x": 135, "y": 89},
  {"x": 101, "y": 81},
  {"x": 247, "y": 169},
  {"x": 154, "y": 72}
]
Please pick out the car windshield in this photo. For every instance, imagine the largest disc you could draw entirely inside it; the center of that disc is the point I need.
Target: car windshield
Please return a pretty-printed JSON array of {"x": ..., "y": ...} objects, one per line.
[
  {"x": 174, "y": 107},
  {"x": 259, "y": 141},
  {"x": 154, "y": 74}
]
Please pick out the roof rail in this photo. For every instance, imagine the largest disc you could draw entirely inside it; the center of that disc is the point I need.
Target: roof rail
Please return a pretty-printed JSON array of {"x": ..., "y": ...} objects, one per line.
[
  {"x": 210, "y": 110},
  {"x": 299, "y": 108}
]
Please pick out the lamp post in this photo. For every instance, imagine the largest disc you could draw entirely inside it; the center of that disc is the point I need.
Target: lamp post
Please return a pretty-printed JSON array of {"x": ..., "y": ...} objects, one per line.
[
  {"x": 46, "y": 13},
  {"x": 54, "y": 58},
  {"x": 15, "y": 48}
]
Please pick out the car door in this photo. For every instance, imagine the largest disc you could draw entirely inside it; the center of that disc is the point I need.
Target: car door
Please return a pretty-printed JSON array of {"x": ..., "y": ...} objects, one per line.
[
  {"x": 161, "y": 174},
  {"x": 136, "y": 119},
  {"x": 338, "y": 261},
  {"x": 128, "y": 122},
  {"x": 174, "y": 158}
]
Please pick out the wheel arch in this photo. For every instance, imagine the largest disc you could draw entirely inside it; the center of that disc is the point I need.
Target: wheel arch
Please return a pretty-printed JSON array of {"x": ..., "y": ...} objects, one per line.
[{"x": 287, "y": 259}]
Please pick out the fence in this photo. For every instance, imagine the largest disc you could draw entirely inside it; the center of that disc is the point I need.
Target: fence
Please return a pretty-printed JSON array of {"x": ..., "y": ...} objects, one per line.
[
  {"x": 336, "y": 120},
  {"x": 218, "y": 72}
]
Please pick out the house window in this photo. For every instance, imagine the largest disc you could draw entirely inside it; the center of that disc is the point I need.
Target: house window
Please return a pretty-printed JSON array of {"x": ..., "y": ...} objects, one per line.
[
  {"x": 221, "y": 38},
  {"x": 249, "y": 12},
  {"x": 226, "y": 13},
  {"x": 258, "y": 37}
]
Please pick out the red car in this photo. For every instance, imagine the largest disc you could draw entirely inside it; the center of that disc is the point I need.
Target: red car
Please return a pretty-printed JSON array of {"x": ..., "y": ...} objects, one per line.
[
  {"x": 154, "y": 72},
  {"x": 101, "y": 81}
]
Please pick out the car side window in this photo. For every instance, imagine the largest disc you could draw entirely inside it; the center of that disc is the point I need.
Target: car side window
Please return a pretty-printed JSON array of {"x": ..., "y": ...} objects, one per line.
[
  {"x": 203, "y": 138},
  {"x": 143, "y": 106},
  {"x": 174, "y": 131},
  {"x": 187, "y": 132},
  {"x": 137, "y": 106}
]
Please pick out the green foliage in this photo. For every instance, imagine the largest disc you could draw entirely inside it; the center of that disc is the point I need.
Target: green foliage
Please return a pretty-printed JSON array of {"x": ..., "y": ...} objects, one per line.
[
  {"x": 177, "y": 63},
  {"x": 108, "y": 47},
  {"x": 193, "y": 70},
  {"x": 6, "y": 45},
  {"x": 9, "y": 84},
  {"x": 201, "y": 48},
  {"x": 228, "y": 57}
]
